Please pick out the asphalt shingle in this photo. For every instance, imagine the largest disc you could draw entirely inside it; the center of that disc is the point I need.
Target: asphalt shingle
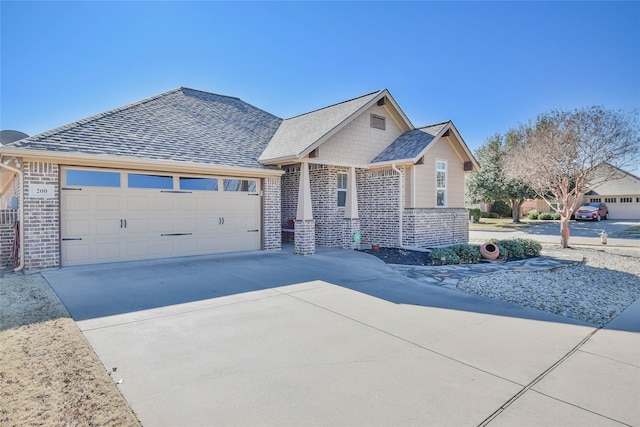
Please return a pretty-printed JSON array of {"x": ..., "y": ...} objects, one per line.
[
  {"x": 180, "y": 125},
  {"x": 410, "y": 144}
]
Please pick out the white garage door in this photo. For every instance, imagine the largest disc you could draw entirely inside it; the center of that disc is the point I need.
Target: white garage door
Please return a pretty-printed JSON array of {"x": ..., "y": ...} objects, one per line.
[
  {"x": 625, "y": 207},
  {"x": 110, "y": 215}
]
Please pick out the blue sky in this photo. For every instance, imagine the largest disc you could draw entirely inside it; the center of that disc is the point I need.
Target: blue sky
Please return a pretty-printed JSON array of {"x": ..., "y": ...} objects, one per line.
[{"x": 485, "y": 65}]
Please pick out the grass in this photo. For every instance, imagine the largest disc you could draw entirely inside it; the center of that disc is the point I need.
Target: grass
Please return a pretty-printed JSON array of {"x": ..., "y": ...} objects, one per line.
[
  {"x": 500, "y": 224},
  {"x": 49, "y": 374},
  {"x": 629, "y": 231}
]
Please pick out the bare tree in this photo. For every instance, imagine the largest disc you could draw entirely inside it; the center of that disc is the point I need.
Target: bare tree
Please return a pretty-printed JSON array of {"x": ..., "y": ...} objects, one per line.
[{"x": 560, "y": 156}]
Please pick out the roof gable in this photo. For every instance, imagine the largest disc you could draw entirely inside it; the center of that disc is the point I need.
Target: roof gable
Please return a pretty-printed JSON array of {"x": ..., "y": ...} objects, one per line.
[
  {"x": 299, "y": 135},
  {"x": 181, "y": 125},
  {"x": 412, "y": 145}
]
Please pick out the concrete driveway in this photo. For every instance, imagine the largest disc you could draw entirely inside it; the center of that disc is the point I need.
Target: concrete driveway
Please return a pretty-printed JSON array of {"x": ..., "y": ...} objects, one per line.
[
  {"x": 338, "y": 338},
  {"x": 582, "y": 233}
]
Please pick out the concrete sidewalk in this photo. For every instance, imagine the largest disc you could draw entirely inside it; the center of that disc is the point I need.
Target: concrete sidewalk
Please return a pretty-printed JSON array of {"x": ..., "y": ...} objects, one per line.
[{"x": 340, "y": 339}]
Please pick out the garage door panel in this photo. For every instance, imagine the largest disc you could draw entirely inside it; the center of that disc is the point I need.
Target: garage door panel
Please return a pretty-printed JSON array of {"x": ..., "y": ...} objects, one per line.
[
  {"x": 137, "y": 203},
  {"x": 108, "y": 251},
  {"x": 76, "y": 202},
  {"x": 107, "y": 226},
  {"x": 75, "y": 227},
  {"x": 208, "y": 224},
  {"x": 162, "y": 203},
  {"x": 106, "y": 203},
  {"x": 76, "y": 253},
  {"x": 137, "y": 225}
]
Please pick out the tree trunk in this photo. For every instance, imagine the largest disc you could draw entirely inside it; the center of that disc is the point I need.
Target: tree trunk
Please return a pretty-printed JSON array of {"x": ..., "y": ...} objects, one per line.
[
  {"x": 515, "y": 210},
  {"x": 564, "y": 231}
]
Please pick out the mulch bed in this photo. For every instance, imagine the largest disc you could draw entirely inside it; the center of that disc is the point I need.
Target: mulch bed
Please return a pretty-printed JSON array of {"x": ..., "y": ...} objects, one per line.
[{"x": 409, "y": 257}]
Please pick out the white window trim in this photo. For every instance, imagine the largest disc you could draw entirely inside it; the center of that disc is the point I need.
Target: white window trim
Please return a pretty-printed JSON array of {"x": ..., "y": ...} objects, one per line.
[
  {"x": 445, "y": 183},
  {"x": 343, "y": 190}
]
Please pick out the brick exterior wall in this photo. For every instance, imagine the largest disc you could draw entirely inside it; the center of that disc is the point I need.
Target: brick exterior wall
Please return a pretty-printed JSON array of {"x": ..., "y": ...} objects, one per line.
[
  {"x": 305, "y": 243},
  {"x": 379, "y": 220},
  {"x": 7, "y": 221},
  {"x": 349, "y": 228},
  {"x": 378, "y": 206},
  {"x": 289, "y": 192},
  {"x": 271, "y": 214},
  {"x": 41, "y": 218},
  {"x": 324, "y": 201},
  {"x": 428, "y": 228}
]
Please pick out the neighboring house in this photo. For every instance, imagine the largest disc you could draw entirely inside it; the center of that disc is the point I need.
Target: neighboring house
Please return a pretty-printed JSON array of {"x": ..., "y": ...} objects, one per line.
[
  {"x": 621, "y": 195},
  {"x": 188, "y": 172}
]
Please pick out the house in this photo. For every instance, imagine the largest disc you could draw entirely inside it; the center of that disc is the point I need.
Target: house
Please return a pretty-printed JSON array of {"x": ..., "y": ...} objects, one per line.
[
  {"x": 188, "y": 172},
  {"x": 621, "y": 194}
]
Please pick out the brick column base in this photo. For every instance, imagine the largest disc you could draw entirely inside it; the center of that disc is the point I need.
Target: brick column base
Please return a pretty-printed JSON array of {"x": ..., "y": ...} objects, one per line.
[
  {"x": 349, "y": 228},
  {"x": 305, "y": 237}
]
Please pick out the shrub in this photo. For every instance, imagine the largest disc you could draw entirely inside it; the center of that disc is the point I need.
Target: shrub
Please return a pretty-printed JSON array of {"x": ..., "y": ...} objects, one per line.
[
  {"x": 475, "y": 214},
  {"x": 503, "y": 253},
  {"x": 468, "y": 254},
  {"x": 533, "y": 214},
  {"x": 494, "y": 215},
  {"x": 531, "y": 247},
  {"x": 501, "y": 208},
  {"x": 444, "y": 256},
  {"x": 514, "y": 248},
  {"x": 557, "y": 216},
  {"x": 484, "y": 214},
  {"x": 547, "y": 216}
]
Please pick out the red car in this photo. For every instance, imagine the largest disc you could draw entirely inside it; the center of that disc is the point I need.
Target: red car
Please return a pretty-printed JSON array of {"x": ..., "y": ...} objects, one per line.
[{"x": 593, "y": 211}]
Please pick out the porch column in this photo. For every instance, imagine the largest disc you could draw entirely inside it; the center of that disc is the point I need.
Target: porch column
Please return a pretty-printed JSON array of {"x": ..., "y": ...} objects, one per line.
[
  {"x": 305, "y": 225},
  {"x": 351, "y": 223}
]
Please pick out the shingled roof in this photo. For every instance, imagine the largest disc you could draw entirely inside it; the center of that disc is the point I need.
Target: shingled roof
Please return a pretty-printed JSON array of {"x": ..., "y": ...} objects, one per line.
[
  {"x": 298, "y": 133},
  {"x": 410, "y": 144},
  {"x": 180, "y": 125}
]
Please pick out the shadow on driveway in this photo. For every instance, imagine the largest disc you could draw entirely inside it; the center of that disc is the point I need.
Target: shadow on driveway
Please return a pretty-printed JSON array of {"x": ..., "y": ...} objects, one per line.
[{"x": 95, "y": 291}]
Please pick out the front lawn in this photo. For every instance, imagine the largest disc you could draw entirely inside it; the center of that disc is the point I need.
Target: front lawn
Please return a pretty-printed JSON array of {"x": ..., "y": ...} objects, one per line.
[
  {"x": 500, "y": 224},
  {"x": 634, "y": 230}
]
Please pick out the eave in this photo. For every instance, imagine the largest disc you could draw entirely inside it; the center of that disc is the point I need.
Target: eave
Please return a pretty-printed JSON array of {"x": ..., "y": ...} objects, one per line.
[{"x": 122, "y": 162}]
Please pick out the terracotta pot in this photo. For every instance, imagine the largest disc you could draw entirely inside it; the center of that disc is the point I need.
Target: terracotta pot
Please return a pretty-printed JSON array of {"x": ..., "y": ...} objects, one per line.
[
  {"x": 375, "y": 248},
  {"x": 489, "y": 251}
]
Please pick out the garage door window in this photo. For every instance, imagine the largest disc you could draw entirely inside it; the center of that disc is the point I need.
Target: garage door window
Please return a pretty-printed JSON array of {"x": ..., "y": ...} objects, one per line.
[
  {"x": 92, "y": 178},
  {"x": 205, "y": 184},
  {"x": 239, "y": 185},
  {"x": 150, "y": 181}
]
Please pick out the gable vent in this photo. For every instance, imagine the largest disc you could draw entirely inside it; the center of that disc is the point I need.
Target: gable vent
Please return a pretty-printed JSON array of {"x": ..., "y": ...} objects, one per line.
[{"x": 378, "y": 122}]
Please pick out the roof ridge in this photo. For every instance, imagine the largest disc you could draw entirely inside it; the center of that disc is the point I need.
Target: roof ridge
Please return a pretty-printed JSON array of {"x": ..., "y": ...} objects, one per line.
[
  {"x": 435, "y": 124},
  {"x": 209, "y": 93},
  {"x": 95, "y": 117},
  {"x": 336, "y": 104}
]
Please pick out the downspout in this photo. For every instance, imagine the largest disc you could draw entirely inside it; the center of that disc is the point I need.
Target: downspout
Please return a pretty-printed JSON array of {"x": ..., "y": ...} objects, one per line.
[
  {"x": 21, "y": 209},
  {"x": 400, "y": 210}
]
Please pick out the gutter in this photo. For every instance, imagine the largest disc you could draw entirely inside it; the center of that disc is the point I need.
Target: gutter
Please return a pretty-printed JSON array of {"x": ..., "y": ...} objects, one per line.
[
  {"x": 21, "y": 209},
  {"x": 134, "y": 163}
]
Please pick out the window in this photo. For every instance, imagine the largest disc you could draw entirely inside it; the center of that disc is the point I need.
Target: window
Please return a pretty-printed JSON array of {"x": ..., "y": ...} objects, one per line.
[
  {"x": 378, "y": 122},
  {"x": 92, "y": 178},
  {"x": 342, "y": 189},
  {"x": 626, "y": 199},
  {"x": 441, "y": 184},
  {"x": 610, "y": 199},
  {"x": 206, "y": 184},
  {"x": 150, "y": 181},
  {"x": 596, "y": 200},
  {"x": 239, "y": 185}
]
